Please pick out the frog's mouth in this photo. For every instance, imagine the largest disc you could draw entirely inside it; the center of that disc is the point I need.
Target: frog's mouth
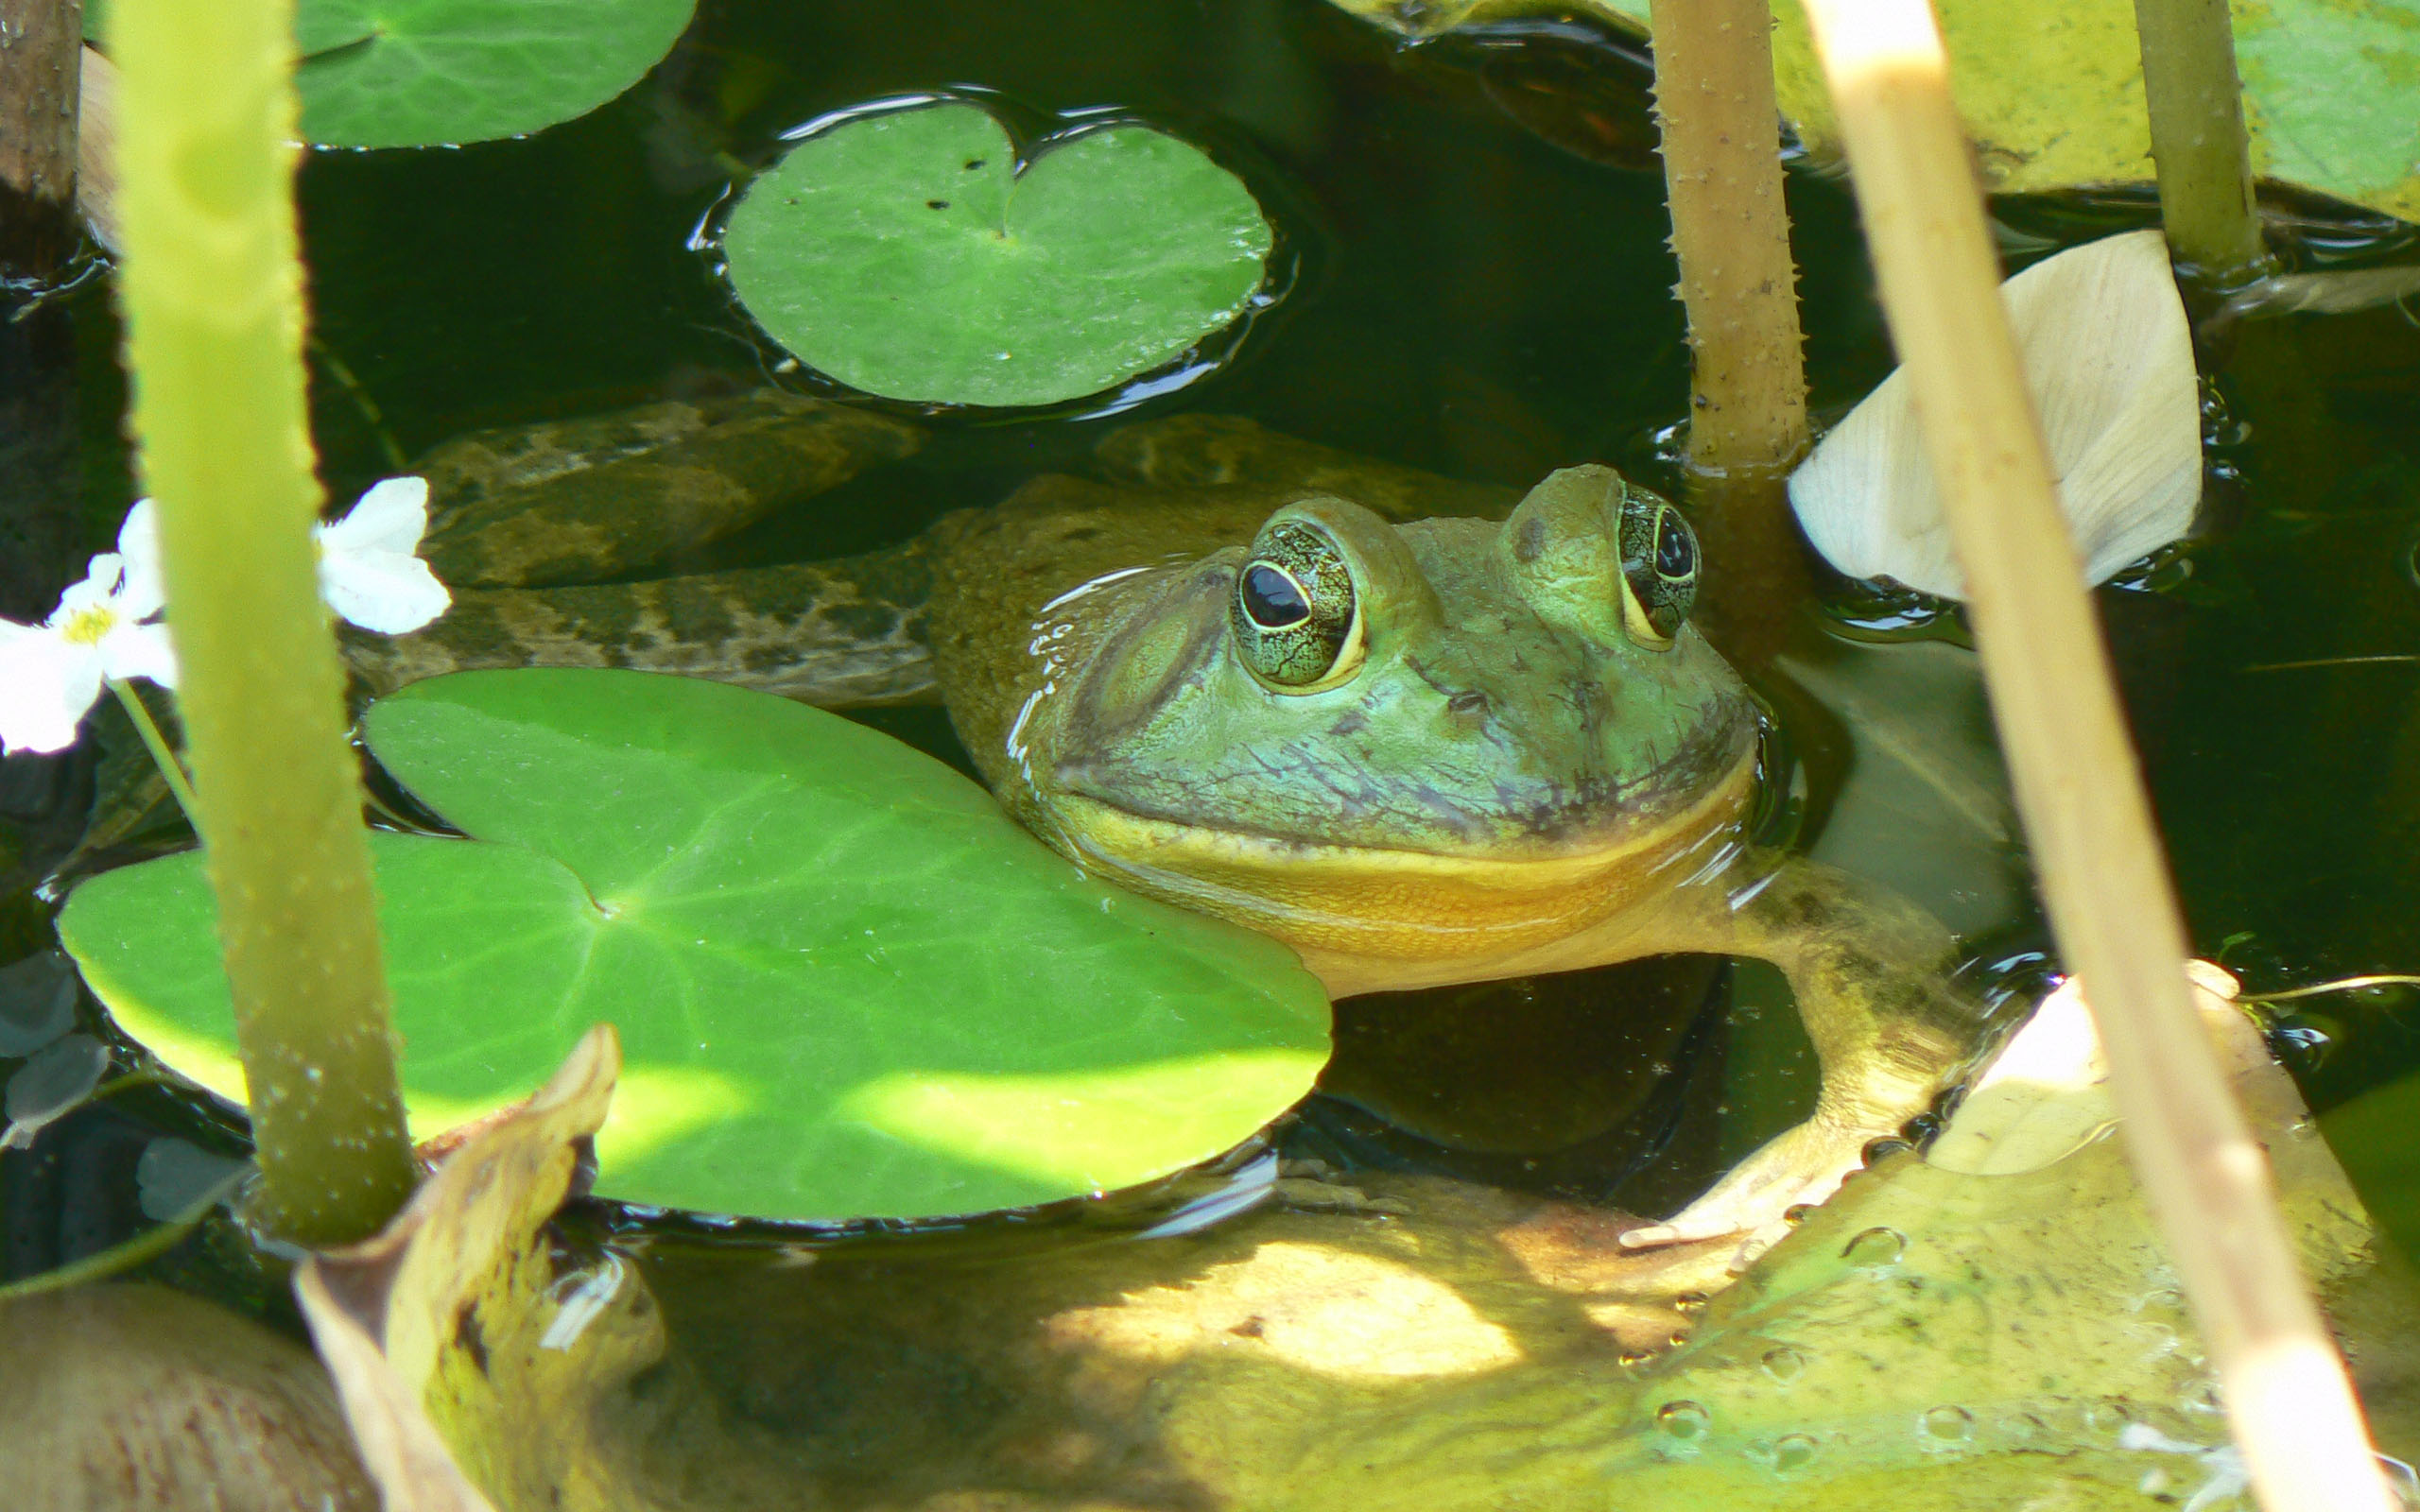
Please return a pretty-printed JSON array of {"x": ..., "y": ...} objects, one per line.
[
  {"x": 1343, "y": 897},
  {"x": 1578, "y": 823}
]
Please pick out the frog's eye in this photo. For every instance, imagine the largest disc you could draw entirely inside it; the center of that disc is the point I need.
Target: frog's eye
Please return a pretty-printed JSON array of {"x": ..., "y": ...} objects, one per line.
[
  {"x": 1659, "y": 569},
  {"x": 1297, "y": 620}
]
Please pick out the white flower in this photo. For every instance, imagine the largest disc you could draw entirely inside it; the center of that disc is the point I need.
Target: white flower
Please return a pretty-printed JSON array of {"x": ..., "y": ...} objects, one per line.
[
  {"x": 103, "y": 628},
  {"x": 367, "y": 572},
  {"x": 106, "y": 627}
]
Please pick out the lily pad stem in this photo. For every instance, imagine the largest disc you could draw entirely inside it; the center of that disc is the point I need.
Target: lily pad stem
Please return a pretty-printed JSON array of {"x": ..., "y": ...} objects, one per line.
[
  {"x": 2079, "y": 788},
  {"x": 212, "y": 286},
  {"x": 1721, "y": 149},
  {"x": 171, "y": 770},
  {"x": 2197, "y": 141}
]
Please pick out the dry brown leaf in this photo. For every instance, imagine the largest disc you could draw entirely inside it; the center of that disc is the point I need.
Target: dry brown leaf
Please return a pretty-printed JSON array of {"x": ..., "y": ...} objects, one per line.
[{"x": 469, "y": 1366}]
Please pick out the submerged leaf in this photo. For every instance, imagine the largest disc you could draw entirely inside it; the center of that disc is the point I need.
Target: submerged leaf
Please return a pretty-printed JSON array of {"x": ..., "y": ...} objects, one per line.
[
  {"x": 847, "y": 984},
  {"x": 2109, "y": 360},
  {"x": 909, "y": 254},
  {"x": 58, "y": 1078},
  {"x": 36, "y": 1003}
]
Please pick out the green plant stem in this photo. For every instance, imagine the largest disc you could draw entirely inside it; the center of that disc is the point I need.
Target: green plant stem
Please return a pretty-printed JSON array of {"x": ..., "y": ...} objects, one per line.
[
  {"x": 211, "y": 287},
  {"x": 1722, "y": 148},
  {"x": 2197, "y": 141},
  {"x": 171, "y": 770}
]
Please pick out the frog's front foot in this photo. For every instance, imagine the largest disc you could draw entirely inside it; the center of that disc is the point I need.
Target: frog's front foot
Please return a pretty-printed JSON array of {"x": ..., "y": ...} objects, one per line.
[{"x": 1797, "y": 1168}]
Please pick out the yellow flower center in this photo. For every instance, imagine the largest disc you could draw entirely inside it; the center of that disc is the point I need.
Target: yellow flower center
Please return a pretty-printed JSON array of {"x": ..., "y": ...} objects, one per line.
[{"x": 86, "y": 627}]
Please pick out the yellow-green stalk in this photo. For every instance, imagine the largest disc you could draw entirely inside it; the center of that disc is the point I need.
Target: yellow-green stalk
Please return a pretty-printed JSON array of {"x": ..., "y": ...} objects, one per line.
[
  {"x": 2198, "y": 142},
  {"x": 211, "y": 287}
]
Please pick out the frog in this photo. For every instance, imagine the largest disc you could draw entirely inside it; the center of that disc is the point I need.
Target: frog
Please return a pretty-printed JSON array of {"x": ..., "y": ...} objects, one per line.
[{"x": 1421, "y": 732}]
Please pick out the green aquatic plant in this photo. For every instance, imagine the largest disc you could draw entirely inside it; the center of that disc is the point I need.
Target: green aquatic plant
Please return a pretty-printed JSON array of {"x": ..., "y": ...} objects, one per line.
[
  {"x": 847, "y": 985},
  {"x": 911, "y": 255},
  {"x": 426, "y": 73},
  {"x": 211, "y": 282}
]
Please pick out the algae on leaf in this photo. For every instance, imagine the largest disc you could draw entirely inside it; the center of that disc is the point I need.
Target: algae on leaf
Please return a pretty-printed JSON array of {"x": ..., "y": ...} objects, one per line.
[{"x": 847, "y": 985}]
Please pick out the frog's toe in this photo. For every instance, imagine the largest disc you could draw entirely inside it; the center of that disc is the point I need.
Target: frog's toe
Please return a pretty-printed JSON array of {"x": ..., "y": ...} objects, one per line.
[{"x": 1755, "y": 1201}]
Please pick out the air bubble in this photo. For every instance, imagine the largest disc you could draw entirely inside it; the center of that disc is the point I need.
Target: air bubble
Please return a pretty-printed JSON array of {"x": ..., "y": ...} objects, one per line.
[
  {"x": 1685, "y": 1420},
  {"x": 1876, "y": 1246},
  {"x": 1947, "y": 1424},
  {"x": 1785, "y": 1364},
  {"x": 1795, "y": 1452}
]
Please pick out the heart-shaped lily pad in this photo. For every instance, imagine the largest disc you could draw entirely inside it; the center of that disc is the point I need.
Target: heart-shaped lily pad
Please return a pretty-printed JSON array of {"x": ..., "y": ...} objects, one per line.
[
  {"x": 418, "y": 73},
  {"x": 846, "y": 985},
  {"x": 906, "y": 254}
]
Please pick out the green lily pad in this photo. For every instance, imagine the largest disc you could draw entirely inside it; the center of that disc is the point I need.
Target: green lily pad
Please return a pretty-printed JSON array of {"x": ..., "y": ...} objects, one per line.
[
  {"x": 847, "y": 985},
  {"x": 421, "y": 72},
  {"x": 908, "y": 254}
]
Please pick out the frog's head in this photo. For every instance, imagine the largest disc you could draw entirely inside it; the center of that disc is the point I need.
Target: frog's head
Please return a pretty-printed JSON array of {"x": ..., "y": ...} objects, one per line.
[{"x": 1437, "y": 739}]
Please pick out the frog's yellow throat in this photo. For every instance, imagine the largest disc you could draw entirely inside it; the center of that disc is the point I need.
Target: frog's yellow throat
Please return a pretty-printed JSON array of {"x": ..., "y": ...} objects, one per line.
[{"x": 1401, "y": 905}]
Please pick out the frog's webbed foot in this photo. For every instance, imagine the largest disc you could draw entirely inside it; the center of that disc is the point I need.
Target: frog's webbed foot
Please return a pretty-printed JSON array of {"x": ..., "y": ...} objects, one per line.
[
  {"x": 1800, "y": 1167},
  {"x": 1870, "y": 972}
]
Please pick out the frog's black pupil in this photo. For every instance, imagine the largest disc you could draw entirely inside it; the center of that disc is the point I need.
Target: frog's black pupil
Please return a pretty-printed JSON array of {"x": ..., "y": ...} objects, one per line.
[
  {"x": 1674, "y": 555},
  {"x": 1272, "y": 599}
]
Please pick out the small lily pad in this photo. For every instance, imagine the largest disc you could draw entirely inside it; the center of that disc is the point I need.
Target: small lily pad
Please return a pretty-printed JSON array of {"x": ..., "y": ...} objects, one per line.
[
  {"x": 51, "y": 1085},
  {"x": 846, "y": 985},
  {"x": 421, "y": 73},
  {"x": 909, "y": 254},
  {"x": 36, "y": 1003}
]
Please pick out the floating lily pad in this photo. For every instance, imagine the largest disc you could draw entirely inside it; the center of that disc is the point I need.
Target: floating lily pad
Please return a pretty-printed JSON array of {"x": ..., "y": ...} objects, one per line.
[
  {"x": 846, "y": 985},
  {"x": 418, "y": 73},
  {"x": 908, "y": 254}
]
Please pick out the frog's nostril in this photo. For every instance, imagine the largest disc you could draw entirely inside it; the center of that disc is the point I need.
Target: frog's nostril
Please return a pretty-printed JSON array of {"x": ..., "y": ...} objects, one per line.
[{"x": 1470, "y": 703}]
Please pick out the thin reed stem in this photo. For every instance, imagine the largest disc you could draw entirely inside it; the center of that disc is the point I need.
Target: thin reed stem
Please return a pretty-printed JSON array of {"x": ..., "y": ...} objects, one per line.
[{"x": 171, "y": 770}]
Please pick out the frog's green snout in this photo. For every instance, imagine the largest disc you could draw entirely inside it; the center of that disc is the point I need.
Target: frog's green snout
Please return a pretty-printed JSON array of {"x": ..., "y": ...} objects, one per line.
[{"x": 1598, "y": 556}]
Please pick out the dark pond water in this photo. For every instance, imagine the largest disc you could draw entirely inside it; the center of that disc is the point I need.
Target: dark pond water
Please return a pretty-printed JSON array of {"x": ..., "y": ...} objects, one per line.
[{"x": 1478, "y": 285}]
